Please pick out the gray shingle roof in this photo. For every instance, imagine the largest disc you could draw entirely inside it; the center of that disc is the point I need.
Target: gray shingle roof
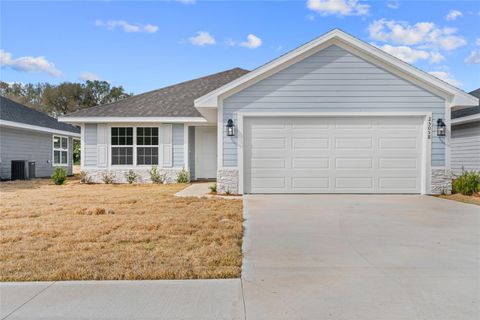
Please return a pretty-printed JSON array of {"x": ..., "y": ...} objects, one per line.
[
  {"x": 16, "y": 112},
  {"x": 172, "y": 101},
  {"x": 468, "y": 111}
]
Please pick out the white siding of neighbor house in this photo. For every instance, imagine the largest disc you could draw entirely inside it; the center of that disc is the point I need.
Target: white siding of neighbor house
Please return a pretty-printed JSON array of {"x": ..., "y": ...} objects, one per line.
[
  {"x": 466, "y": 147},
  {"x": 96, "y": 134},
  {"x": 16, "y": 144},
  {"x": 332, "y": 80}
]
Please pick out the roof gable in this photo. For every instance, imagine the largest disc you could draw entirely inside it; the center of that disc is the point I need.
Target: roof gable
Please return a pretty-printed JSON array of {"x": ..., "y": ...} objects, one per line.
[{"x": 455, "y": 96}]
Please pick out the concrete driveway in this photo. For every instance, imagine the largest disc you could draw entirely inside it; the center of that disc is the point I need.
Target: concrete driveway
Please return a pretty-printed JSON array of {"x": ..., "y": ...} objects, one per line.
[{"x": 361, "y": 257}]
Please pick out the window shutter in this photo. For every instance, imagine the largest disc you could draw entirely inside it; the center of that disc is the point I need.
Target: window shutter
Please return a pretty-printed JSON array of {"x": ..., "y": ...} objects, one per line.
[
  {"x": 167, "y": 145},
  {"x": 102, "y": 146}
]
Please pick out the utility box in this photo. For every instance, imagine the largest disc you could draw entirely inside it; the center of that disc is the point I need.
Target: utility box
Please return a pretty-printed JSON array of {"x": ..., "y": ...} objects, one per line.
[{"x": 20, "y": 170}]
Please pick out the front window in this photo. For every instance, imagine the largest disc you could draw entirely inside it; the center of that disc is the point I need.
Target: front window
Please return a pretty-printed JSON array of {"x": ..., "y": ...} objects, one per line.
[
  {"x": 122, "y": 146},
  {"x": 60, "y": 151},
  {"x": 147, "y": 146}
]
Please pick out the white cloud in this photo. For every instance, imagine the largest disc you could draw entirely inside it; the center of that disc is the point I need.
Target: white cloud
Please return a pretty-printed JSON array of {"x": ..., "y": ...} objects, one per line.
[
  {"x": 126, "y": 26},
  {"x": 202, "y": 38},
  {"x": 436, "y": 57},
  {"x": 424, "y": 34},
  {"x": 252, "y": 42},
  {"x": 473, "y": 58},
  {"x": 447, "y": 77},
  {"x": 393, "y": 5},
  {"x": 89, "y": 76},
  {"x": 187, "y": 1},
  {"x": 28, "y": 64},
  {"x": 453, "y": 15},
  {"x": 338, "y": 7},
  {"x": 411, "y": 55},
  {"x": 477, "y": 42}
]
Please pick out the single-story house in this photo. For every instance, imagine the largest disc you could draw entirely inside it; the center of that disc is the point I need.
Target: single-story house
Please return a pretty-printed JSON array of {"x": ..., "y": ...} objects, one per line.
[
  {"x": 335, "y": 115},
  {"x": 466, "y": 138},
  {"x": 35, "y": 138}
]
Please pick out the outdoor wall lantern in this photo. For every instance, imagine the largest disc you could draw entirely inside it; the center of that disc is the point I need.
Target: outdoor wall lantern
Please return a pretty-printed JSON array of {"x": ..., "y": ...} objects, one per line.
[
  {"x": 230, "y": 128},
  {"x": 441, "y": 128}
]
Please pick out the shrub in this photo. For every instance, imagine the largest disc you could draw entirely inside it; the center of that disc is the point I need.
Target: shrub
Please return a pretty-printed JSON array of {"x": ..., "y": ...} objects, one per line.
[
  {"x": 213, "y": 188},
  {"x": 228, "y": 192},
  {"x": 155, "y": 175},
  {"x": 85, "y": 178},
  {"x": 131, "y": 176},
  {"x": 108, "y": 177},
  {"x": 59, "y": 175},
  {"x": 467, "y": 183},
  {"x": 183, "y": 176}
]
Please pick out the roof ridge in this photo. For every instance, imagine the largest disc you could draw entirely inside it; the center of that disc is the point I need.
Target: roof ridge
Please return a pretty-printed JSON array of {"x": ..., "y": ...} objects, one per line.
[{"x": 160, "y": 89}]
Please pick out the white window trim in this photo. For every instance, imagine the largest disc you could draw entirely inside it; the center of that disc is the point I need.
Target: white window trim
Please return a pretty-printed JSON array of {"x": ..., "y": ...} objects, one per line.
[
  {"x": 134, "y": 146},
  {"x": 60, "y": 149}
]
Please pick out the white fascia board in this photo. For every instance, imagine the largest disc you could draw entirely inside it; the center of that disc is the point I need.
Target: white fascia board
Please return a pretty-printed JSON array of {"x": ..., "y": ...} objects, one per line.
[
  {"x": 24, "y": 126},
  {"x": 467, "y": 119},
  {"x": 457, "y": 96},
  {"x": 131, "y": 119}
]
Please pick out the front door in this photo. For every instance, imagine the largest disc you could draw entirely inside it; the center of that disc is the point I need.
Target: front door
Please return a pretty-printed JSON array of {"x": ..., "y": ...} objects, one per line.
[{"x": 205, "y": 152}]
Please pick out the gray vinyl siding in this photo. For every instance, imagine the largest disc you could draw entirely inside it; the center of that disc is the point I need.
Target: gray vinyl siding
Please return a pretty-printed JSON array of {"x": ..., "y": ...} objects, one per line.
[
  {"x": 332, "y": 80},
  {"x": 178, "y": 134},
  {"x": 35, "y": 146},
  {"x": 90, "y": 148},
  {"x": 191, "y": 151},
  {"x": 465, "y": 149}
]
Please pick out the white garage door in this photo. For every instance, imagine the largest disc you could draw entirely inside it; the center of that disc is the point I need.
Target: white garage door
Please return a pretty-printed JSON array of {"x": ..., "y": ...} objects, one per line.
[{"x": 333, "y": 155}]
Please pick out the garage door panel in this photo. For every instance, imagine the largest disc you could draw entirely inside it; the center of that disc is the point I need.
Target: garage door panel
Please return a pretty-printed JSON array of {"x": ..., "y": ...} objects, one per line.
[
  {"x": 269, "y": 163},
  {"x": 354, "y": 184},
  {"x": 333, "y": 155},
  {"x": 398, "y": 143},
  {"x": 269, "y": 143},
  {"x": 268, "y": 182},
  {"x": 353, "y": 143},
  {"x": 310, "y": 143},
  {"x": 398, "y": 163},
  {"x": 311, "y": 163},
  {"x": 354, "y": 163},
  {"x": 398, "y": 183},
  {"x": 320, "y": 184}
]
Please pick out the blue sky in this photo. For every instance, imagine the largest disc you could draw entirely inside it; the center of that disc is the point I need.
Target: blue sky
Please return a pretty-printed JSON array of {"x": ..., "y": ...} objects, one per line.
[{"x": 148, "y": 45}]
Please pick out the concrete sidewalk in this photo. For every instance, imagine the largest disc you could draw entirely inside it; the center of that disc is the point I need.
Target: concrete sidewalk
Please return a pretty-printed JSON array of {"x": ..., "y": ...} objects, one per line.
[{"x": 162, "y": 299}]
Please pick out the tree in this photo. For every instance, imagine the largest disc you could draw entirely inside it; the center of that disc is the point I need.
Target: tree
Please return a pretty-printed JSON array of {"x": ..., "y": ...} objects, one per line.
[
  {"x": 63, "y": 98},
  {"x": 66, "y": 97},
  {"x": 76, "y": 151}
]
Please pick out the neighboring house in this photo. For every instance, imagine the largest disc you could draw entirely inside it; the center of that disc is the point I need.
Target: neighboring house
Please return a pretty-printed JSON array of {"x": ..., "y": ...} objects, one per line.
[
  {"x": 27, "y": 134},
  {"x": 335, "y": 115},
  {"x": 466, "y": 138}
]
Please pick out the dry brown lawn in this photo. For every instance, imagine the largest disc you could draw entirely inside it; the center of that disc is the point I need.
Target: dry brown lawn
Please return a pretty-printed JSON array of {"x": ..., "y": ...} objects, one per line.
[
  {"x": 79, "y": 232},
  {"x": 474, "y": 199}
]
